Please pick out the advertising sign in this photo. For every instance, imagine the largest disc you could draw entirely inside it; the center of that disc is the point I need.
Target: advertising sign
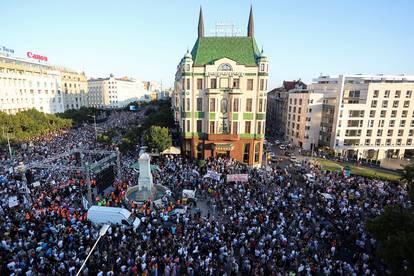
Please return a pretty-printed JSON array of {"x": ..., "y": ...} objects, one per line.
[{"x": 36, "y": 56}]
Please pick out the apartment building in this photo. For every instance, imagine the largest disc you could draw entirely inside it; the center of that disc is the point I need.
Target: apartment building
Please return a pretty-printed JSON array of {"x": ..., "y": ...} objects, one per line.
[
  {"x": 304, "y": 114},
  {"x": 367, "y": 116},
  {"x": 114, "y": 92},
  {"x": 74, "y": 88},
  {"x": 277, "y": 102},
  {"x": 219, "y": 99}
]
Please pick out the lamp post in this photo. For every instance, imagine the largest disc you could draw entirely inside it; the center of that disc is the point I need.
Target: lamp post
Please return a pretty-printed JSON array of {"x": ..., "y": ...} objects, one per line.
[{"x": 102, "y": 233}]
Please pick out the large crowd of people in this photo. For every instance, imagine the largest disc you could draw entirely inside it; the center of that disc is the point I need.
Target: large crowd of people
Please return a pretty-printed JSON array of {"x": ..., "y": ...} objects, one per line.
[{"x": 278, "y": 222}]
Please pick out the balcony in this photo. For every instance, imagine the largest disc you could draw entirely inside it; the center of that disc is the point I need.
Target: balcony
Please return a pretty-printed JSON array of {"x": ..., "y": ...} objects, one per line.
[
  {"x": 235, "y": 91},
  {"x": 212, "y": 91}
]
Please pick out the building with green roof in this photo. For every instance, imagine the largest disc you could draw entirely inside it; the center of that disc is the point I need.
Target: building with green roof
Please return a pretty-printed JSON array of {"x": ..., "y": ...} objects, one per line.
[{"x": 219, "y": 98}]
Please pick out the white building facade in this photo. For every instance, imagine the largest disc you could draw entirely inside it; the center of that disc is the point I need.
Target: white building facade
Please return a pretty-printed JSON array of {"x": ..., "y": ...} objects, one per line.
[
  {"x": 367, "y": 116},
  {"x": 303, "y": 118},
  {"x": 115, "y": 92},
  {"x": 26, "y": 85}
]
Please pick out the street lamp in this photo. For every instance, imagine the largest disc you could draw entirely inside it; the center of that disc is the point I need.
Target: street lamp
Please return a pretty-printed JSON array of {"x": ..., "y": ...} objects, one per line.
[{"x": 102, "y": 233}]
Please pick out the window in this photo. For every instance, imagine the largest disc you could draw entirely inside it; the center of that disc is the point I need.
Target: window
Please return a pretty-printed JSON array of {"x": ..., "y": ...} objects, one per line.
[
  {"x": 257, "y": 152},
  {"x": 310, "y": 110},
  {"x": 300, "y": 101},
  {"x": 374, "y": 103},
  {"x": 247, "y": 126},
  {"x": 262, "y": 67},
  {"x": 199, "y": 83},
  {"x": 412, "y": 123},
  {"x": 400, "y": 132},
  {"x": 411, "y": 132},
  {"x": 296, "y": 101},
  {"x": 383, "y": 113},
  {"x": 395, "y": 104},
  {"x": 367, "y": 142},
  {"x": 406, "y": 103},
  {"x": 249, "y": 104},
  {"x": 408, "y": 94},
  {"x": 235, "y": 128},
  {"x": 188, "y": 126},
  {"x": 236, "y": 83},
  {"x": 379, "y": 132},
  {"x": 184, "y": 129},
  {"x": 213, "y": 83},
  {"x": 381, "y": 123},
  {"x": 187, "y": 105},
  {"x": 354, "y": 94},
  {"x": 388, "y": 142},
  {"x": 392, "y": 123},
  {"x": 249, "y": 84},
  {"x": 402, "y": 123},
  {"x": 212, "y": 127},
  {"x": 409, "y": 141},
  {"x": 376, "y": 93},
  {"x": 372, "y": 113},
  {"x": 199, "y": 104},
  {"x": 260, "y": 105},
  {"x": 369, "y": 132},
  {"x": 188, "y": 84},
  {"x": 387, "y": 94},
  {"x": 390, "y": 132},
  {"x": 404, "y": 114},
  {"x": 212, "y": 105},
  {"x": 259, "y": 127},
  {"x": 225, "y": 67},
  {"x": 397, "y": 93},
  {"x": 261, "y": 84},
  {"x": 246, "y": 153},
  {"x": 199, "y": 125},
  {"x": 224, "y": 83},
  {"x": 378, "y": 142},
  {"x": 236, "y": 105},
  {"x": 393, "y": 113},
  {"x": 385, "y": 103}
]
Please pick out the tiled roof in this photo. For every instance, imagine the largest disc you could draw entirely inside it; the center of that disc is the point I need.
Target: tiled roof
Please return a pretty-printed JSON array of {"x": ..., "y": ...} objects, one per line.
[{"x": 243, "y": 50}]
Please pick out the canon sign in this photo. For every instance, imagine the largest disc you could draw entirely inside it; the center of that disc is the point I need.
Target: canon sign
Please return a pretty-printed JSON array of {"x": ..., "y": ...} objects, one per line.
[{"x": 35, "y": 56}]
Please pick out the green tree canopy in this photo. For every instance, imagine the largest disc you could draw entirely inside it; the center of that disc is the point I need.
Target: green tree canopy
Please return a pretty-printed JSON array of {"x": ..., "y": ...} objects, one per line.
[{"x": 157, "y": 138}]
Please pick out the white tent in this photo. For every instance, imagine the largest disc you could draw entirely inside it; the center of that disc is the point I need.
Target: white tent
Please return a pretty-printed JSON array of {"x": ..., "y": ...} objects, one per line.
[{"x": 172, "y": 150}]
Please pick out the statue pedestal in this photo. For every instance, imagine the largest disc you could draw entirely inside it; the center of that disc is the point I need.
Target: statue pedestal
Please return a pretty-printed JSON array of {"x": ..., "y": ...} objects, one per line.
[{"x": 145, "y": 177}]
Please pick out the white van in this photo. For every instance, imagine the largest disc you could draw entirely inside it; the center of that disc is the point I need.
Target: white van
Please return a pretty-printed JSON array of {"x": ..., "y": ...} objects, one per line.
[{"x": 112, "y": 215}]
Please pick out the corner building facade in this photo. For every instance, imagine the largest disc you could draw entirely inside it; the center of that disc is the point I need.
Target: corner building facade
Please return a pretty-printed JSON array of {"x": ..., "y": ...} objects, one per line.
[{"x": 219, "y": 99}]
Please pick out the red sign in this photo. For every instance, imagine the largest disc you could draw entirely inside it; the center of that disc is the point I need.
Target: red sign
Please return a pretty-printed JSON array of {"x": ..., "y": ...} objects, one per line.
[{"x": 35, "y": 56}]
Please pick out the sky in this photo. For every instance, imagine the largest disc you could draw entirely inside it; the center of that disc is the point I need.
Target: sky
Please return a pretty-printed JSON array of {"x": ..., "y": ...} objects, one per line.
[{"x": 146, "y": 39}]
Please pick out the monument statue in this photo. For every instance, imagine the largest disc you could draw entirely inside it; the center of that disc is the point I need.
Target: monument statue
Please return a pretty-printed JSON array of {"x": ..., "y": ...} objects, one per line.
[{"x": 145, "y": 176}]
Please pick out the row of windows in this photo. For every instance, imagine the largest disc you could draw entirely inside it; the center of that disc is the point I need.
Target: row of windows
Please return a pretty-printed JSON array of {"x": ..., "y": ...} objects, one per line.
[
  {"x": 391, "y": 123},
  {"x": 27, "y": 100},
  {"x": 380, "y": 132},
  {"x": 384, "y": 104},
  {"x": 296, "y": 101},
  {"x": 397, "y": 93},
  {"x": 383, "y": 113},
  {"x": 234, "y": 105},
  {"x": 224, "y": 83},
  {"x": 378, "y": 142},
  {"x": 8, "y": 82},
  {"x": 31, "y": 91},
  {"x": 234, "y": 127}
]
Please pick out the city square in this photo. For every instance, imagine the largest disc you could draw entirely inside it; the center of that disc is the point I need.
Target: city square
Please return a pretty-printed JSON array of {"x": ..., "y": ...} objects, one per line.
[{"x": 222, "y": 173}]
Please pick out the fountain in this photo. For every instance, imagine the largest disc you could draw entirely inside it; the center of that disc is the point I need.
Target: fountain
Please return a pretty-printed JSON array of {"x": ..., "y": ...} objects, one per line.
[{"x": 146, "y": 189}]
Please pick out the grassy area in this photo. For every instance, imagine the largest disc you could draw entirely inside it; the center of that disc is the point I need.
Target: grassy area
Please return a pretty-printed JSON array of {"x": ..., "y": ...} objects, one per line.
[{"x": 362, "y": 171}]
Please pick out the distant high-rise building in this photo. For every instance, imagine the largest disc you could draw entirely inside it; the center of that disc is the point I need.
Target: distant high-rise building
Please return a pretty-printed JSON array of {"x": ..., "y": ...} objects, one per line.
[{"x": 219, "y": 98}]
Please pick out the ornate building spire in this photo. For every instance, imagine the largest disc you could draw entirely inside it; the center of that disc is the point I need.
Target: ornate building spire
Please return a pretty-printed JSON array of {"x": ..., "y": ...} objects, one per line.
[
  {"x": 250, "y": 27},
  {"x": 201, "y": 24}
]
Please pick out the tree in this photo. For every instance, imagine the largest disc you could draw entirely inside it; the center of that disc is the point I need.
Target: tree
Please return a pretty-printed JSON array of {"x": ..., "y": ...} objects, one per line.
[
  {"x": 408, "y": 175},
  {"x": 157, "y": 138},
  {"x": 394, "y": 231}
]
